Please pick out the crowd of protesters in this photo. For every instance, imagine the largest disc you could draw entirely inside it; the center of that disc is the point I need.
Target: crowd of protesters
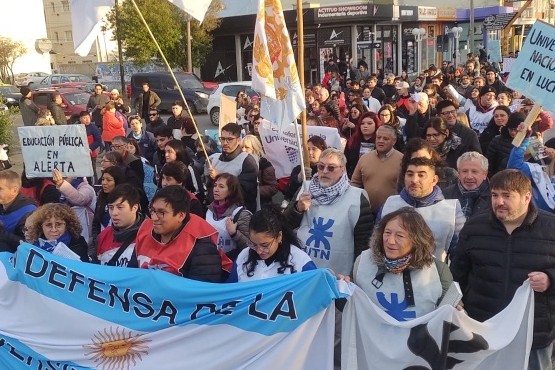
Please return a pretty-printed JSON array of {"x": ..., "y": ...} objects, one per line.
[{"x": 427, "y": 176}]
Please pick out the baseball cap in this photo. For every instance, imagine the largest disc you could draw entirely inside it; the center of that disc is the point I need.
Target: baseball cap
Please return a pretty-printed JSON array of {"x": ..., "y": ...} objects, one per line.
[
  {"x": 419, "y": 97},
  {"x": 402, "y": 85}
]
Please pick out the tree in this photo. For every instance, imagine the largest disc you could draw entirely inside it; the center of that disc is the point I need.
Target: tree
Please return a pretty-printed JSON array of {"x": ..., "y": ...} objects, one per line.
[
  {"x": 9, "y": 51},
  {"x": 169, "y": 25}
]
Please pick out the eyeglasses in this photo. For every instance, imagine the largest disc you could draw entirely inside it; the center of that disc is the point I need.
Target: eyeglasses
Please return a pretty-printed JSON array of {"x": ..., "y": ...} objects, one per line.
[
  {"x": 117, "y": 146},
  {"x": 55, "y": 225},
  {"x": 152, "y": 114},
  {"x": 385, "y": 114},
  {"x": 159, "y": 214},
  {"x": 262, "y": 248},
  {"x": 451, "y": 112},
  {"x": 226, "y": 139},
  {"x": 433, "y": 136},
  {"x": 328, "y": 167}
]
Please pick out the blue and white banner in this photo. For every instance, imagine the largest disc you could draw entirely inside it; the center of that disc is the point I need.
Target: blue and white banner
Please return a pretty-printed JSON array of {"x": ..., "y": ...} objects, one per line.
[
  {"x": 443, "y": 339},
  {"x": 533, "y": 73},
  {"x": 62, "y": 314}
]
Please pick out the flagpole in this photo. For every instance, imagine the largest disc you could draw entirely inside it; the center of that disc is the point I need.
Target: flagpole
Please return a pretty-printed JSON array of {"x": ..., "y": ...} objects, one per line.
[
  {"x": 303, "y": 151},
  {"x": 176, "y": 83}
]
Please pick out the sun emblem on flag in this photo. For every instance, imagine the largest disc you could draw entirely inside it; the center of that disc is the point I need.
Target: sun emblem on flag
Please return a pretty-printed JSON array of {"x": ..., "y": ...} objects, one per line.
[{"x": 116, "y": 350}]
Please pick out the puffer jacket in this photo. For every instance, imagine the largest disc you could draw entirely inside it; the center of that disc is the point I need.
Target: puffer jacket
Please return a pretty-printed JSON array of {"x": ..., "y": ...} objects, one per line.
[
  {"x": 490, "y": 265},
  {"x": 498, "y": 153}
]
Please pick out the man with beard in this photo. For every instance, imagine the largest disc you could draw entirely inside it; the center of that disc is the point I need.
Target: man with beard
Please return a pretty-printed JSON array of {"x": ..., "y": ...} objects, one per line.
[
  {"x": 444, "y": 217},
  {"x": 236, "y": 162},
  {"x": 501, "y": 249}
]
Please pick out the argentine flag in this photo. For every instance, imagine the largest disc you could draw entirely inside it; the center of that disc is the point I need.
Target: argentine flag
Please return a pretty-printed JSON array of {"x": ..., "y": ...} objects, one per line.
[{"x": 62, "y": 314}]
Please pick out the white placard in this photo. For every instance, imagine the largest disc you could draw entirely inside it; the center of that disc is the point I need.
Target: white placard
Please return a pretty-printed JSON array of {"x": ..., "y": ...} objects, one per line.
[{"x": 62, "y": 147}]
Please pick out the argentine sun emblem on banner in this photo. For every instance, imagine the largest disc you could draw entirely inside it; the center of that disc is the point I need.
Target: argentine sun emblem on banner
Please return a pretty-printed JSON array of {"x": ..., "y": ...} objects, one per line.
[
  {"x": 61, "y": 314},
  {"x": 275, "y": 74}
]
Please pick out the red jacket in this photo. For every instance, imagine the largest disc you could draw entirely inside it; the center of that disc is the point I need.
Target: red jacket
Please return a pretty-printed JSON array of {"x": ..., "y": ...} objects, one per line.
[
  {"x": 112, "y": 126},
  {"x": 172, "y": 256}
]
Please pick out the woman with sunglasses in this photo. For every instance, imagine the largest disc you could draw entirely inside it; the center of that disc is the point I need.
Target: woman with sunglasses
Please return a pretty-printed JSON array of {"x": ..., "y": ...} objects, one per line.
[
  {"x": 52, "y": 224},
  {"x": 273, "y": 249}
]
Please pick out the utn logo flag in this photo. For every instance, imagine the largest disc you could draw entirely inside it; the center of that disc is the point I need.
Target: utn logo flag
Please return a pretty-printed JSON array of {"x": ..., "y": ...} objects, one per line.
[
  {"x": 275, "y": 74},
  {"x": 87, "y": 15},
  {"x": 533, "y": 73}
]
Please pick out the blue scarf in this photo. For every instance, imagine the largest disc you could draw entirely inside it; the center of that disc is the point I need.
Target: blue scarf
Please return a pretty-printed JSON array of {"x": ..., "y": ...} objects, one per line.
[{"x": 48, "y": 245}]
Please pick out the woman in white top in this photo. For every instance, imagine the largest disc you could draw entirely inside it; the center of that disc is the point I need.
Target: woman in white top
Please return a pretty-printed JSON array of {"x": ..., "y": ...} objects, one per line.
[
  {"x": 399, "y": 272},
  {"x": 273, "y": 249}
]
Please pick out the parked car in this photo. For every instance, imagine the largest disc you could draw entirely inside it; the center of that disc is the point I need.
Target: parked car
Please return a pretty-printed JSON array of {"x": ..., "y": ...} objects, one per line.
[
  {"x": 27, "y": 79},
  {"x": 74, "y": 101},
  {"x": 163, "y": 85},
  {"x": 11, "y": 95},
  {"x": 228, "y": 89},
  {"x": 62, "y": 78}
]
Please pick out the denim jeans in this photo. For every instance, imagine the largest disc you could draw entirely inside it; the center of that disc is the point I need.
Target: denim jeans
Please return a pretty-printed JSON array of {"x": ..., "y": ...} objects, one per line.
[{"x": 540, "y": 359}]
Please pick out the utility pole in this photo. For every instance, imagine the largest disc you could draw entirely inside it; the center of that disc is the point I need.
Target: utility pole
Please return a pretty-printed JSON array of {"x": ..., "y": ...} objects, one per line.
[
  {"x": 471, "y": 28},
  {"x": 189, "y": 51},
  {"x": 120, "y": 53}
]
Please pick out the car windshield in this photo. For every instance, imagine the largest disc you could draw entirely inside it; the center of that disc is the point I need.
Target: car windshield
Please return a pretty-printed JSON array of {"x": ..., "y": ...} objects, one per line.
[
  {"x": 77, "y": 98},
  {"x": 8, "y": 90},
  {"x": 80, "y": 79},
  {"x": 189, "y": 82}
]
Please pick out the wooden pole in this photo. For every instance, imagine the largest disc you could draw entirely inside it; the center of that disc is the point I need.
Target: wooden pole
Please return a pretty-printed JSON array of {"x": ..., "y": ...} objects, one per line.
[
  {"x": 175, "y": 81},
  {"x": 300, "y": 53},
  {"x": 530, "y": 118}
]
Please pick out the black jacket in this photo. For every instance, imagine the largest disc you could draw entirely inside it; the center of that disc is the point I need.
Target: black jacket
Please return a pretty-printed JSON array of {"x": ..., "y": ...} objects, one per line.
[
  {"x": 469, "y": 139},
  {"x": 498, "y": 153},
  {"x": 486, "y": 137},
  {"x": 490, "y": 265},
  {"x": 481, "y": 204}
]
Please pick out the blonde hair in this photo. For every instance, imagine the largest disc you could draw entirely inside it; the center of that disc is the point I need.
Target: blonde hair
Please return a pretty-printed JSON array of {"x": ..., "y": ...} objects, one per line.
[
  {"x": 255, "y": 144},
  {"x": 463, "y": 118},
  {"x": 61, "y": 211},
  {"x": 43, "y": 121}
]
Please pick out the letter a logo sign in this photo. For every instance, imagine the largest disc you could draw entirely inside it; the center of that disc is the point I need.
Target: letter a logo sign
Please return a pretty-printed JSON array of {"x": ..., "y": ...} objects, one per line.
[{"x": 334, "y": 34}]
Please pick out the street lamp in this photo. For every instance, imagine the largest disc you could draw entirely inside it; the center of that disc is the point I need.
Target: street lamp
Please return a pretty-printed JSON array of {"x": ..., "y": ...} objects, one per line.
[
  {"x": 418, "y": 33},
  {"x": 456, "y": 33}
]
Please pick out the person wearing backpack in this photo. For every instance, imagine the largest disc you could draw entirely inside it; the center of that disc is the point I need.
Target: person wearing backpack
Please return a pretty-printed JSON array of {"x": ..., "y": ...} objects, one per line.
[{"x": 228, "y": 215}]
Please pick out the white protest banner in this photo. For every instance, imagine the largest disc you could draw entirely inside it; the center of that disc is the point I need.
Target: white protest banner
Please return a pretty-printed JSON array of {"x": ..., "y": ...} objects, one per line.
[
  {"x": 508, "y": 64},
  {"x": 533, "y": 73},
  {"x": 57, "y": 313},
  {"x": 280, "y": 144},
  {"x": 62, "y": 147},
  {"x": 443, "y": 339}
]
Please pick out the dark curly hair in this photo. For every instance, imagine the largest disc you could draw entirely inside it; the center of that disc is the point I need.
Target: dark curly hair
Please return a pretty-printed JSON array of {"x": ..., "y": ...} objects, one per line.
[{"x": 269, "y": 220}]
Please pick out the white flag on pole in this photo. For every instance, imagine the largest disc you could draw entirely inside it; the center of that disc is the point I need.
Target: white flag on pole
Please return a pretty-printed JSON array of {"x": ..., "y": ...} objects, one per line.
[
  {"x": 274, "y": 73},
  {"x": 86, "y": 20},
  {"x": 196, "y": 8}
]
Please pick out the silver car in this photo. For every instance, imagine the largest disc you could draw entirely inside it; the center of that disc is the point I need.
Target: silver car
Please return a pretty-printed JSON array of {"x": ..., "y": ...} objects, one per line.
[{"x": 27, "y": 79}]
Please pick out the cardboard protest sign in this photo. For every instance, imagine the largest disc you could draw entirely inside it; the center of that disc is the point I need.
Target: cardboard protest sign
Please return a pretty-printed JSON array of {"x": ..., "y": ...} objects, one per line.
[
  {"x": 228, "y": 111},
  {"x": 533, "y": 73},
  {"x": 62, "y": 147}
]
